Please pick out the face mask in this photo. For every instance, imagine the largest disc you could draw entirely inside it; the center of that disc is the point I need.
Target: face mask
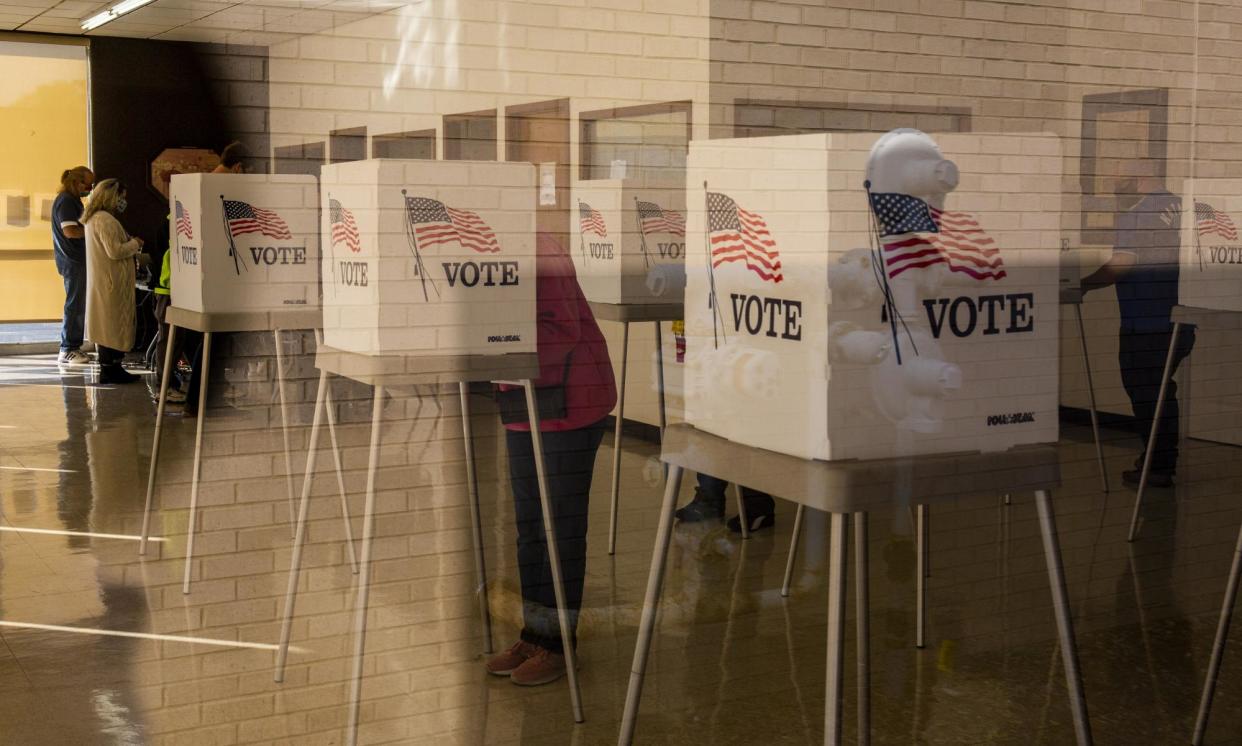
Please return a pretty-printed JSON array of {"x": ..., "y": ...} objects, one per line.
[
  {"x": 121, "y": 204},
  {"x": 84, "y": 193}
]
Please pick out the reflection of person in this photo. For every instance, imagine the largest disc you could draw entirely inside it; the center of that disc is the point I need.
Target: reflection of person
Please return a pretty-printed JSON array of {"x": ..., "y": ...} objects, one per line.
[
  {"x": 69, "y": 242},
  {"x": 577, "y": 383},
  {"x": 110, "y": 255},
  {"x": 1144, "y": 269},
  {"x": 709, "y": 504},
  {"x": 231, "y": 159}
]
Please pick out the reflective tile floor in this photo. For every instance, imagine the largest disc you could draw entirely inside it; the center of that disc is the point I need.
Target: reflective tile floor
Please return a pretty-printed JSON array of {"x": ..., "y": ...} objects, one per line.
[{"x": 100, "y": 645}]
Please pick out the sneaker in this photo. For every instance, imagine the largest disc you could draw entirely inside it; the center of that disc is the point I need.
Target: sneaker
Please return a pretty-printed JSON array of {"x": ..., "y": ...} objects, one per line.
[
  {"x": 701, "y": 508},
  {"x": 543, "y": 667},
  {"x": 503, "y": 664},
  {"x": 73, "y": 357},
  {"x": 1154, "y": 478},
  {"x": 174, "y": 396},
  {"x": 116, "y": 375},
  {"x": 758, "y": 521}
]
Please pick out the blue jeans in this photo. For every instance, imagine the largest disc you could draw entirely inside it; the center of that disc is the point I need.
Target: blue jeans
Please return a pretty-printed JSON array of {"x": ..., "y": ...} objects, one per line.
[{"x": 74, "y": 320}]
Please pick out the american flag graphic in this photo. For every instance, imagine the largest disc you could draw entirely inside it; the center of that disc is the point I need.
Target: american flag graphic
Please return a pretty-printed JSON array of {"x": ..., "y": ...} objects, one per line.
[
  {"x": 344, "y": 227},
  {"x": 436, "y": 223},
  {"x": 1212, "y": 221},
  {"x": 243, "y": 217},
  {"x": 738, "y": 235},
  {"x": 184, "y": 226},
  {"x": 591, "y": 221},
  {"x": 654, "y": 219},
  {"x": 950, "y": 237}
]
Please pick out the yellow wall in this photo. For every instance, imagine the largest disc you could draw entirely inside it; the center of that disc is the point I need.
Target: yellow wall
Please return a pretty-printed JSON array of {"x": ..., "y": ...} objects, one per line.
[{"x": 43, "y": 131}]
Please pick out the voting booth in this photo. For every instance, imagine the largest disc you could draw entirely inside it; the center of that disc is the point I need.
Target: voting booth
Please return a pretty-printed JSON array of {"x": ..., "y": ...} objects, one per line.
[
  {"x": 858, "y": 296},
  {"x": 628, "y": 241},
  {"x": 1210, "y": 271},
  {"x": 244, "y": 243},
  {"x": 429, "y": 257}
]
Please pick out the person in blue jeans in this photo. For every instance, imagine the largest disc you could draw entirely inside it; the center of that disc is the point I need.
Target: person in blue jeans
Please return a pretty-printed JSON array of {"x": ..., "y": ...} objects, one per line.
[
  {"x": 1144, "y": 269},
  {"x": 69, "y": 245},
  {"x": 709, "y": 504}
]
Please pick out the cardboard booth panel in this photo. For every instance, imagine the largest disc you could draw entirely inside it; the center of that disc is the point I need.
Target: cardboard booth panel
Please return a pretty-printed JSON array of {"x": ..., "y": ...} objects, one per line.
[
  {"x": 429, "y": 257},
  {"x": 810, "y": 334},
  {"x": 628, "y": 241},
  {"x": 1210, "y": 263},
  {"x": 244, "y": 242}
]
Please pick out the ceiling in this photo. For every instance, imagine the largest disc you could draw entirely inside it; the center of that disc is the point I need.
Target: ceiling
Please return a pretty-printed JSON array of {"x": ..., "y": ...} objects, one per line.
[{"x": 262, "y": 22}]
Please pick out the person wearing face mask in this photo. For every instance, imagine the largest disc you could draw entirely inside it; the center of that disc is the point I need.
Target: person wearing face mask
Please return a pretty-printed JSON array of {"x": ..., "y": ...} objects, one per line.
[
  {"x": 110, "y": 256},
  {"x": 68, "y": 240}
]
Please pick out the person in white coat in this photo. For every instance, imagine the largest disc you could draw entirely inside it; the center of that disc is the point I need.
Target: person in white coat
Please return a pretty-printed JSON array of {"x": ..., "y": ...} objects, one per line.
[{"x": 110, "y": 256}]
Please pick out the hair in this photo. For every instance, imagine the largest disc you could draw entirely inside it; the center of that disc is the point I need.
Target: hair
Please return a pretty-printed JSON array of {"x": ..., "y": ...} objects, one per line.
[
  {"x": 232, "y": 154},
  {"x": 104, "y": 198},
  {"x": 72, "y": 177}
]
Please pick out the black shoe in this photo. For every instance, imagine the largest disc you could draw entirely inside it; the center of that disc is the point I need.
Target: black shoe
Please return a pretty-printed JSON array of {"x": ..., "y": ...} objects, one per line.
[
  {"x": 758, "y": 522},
  {"x": 1154, "y": 478},
  {"x": 701, "y": 508},
  {"x": 115, "y": 374}
]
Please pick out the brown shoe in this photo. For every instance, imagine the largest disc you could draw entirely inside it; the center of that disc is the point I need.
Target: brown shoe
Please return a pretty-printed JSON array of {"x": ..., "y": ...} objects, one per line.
[
  {"x": 503, "y": 664},
  {"x": 543, "y": 667}
]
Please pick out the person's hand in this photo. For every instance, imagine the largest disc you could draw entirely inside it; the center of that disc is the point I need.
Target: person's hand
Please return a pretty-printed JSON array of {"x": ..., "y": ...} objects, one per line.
[{"x": 141, "y": 243}]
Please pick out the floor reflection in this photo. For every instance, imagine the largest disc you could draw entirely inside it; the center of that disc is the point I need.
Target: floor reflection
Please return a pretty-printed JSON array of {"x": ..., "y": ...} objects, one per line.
[{"x": 733, "y": 661}]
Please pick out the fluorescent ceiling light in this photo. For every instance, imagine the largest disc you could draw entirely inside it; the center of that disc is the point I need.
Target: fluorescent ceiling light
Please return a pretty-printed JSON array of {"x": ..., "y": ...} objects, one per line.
[{"x": 113, "y": 13}]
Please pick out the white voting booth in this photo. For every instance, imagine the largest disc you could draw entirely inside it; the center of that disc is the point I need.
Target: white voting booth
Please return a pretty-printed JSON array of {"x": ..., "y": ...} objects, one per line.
[
  {"x": 244, "y": 242},
  {"x": 429, "y": 257},
  {"x": 801, "y": 341},
  {"x": 628, "y": 241},
  {"x": 1210, "y": 275}
]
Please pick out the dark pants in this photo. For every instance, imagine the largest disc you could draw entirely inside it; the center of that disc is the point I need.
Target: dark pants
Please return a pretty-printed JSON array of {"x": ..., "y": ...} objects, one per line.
[
  {"x": 74, "y": 319},
  {"x": 570, "y": 458},
  {"x": 757, "y": 503},
  {"x": 108, "y": 357},
  {"x": 1142, "y": 357}
]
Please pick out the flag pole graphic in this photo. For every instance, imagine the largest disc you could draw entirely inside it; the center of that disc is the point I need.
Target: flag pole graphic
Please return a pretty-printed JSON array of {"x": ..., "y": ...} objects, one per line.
[
  {"x": 331, "y": 245},
  {"x": 712, "y": 301},
  {"x": 228, "y": 231},
  {"x": 890, "y": 308},
  {"x": 642, "y": 234},
  {"x": 581, "y": 236},
  {"x": 411, "y": 235}
]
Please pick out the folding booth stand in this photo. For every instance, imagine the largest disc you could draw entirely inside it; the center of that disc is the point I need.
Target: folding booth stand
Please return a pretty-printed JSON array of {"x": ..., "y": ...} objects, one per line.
[
  {"x": 626, "y": 314},
  {"x": 856, "y": 487},
  {"x": 385, "y": 371},
  {"x": 209, "y": 324},
  {"x": 1201, "y": 317}
]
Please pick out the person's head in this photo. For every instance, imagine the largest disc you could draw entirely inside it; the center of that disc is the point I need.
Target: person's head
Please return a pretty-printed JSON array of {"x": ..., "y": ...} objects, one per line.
[
  {"x": 77, "y": 181},
  {"x": 231, "y": 159},
  {"x": 108, "y": 196}
]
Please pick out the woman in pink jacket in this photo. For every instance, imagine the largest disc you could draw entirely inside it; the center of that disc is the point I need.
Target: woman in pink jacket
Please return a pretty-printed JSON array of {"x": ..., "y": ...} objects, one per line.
[{"x": 577, "y": 390}]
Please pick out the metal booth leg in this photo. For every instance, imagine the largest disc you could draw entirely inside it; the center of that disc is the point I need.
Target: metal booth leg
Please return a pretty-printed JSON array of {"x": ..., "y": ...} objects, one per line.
[
  {"x": 833, "y": 689},
  {"x": 299, "y": 536},
  {"x": 554, "y": 552},
  {"x": 616, "y": 439},
  {"x": 1065, "y": 623},
  {"x": 742, "y": 519},
  {"x": 476, "y": 523},
  {"x": 340, "y": 477},
  {"x": 793, "y": 550},
  {"x": 862, "y": 626},
  {"x": 364, "y": 569},
  {"x": 1155, "y": 426},
  {"x": 155, "y": 444},
  {"x": 1095, "y": 417},
  {"x": 284, "y": 419},
  {"x": 663, "y": 414},
  {"x": 651, "y": 606},
  {"x": 1218, "y": 647},
  {"x": 920, "y": 577},
  {"x": 198, "y": 460}
]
